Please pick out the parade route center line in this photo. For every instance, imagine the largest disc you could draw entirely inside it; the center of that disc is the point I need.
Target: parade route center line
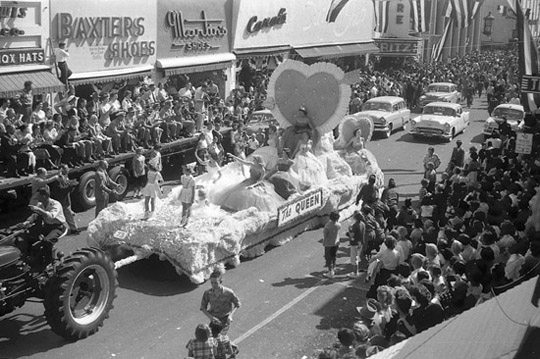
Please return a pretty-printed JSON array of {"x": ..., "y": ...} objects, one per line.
[{"x": 278, "y": 313}]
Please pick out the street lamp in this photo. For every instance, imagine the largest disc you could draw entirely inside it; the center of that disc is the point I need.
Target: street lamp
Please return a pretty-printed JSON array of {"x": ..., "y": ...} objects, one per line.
[{"x": 488, "y": 24}]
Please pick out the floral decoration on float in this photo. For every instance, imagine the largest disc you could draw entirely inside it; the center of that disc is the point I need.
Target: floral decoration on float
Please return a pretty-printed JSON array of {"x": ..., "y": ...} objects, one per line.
[{"x": 268, "y": 198}]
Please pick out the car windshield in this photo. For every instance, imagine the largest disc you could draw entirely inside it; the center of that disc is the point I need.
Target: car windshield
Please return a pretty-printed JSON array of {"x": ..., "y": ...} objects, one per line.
[
  {"x": 509, "y": 113},
  {"x": 261, "y": 118},
  {"x": 377, "y": 106},
  {"x": 438, "y": 88},
  {"x": 438, "y": 110}
]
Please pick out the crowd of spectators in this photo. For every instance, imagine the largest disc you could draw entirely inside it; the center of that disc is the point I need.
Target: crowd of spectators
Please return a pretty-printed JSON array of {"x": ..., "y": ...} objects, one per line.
[
  {"x": 77, "y": 130},
  {"x": 469, "y": 237},
  {"x": 494, "y": 72}
]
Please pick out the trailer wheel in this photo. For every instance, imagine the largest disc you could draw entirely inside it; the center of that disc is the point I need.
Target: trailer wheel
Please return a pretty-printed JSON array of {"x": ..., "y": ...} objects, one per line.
[
  {"x": 86, "y": 192},
  {"x": 119, "y": 175}
]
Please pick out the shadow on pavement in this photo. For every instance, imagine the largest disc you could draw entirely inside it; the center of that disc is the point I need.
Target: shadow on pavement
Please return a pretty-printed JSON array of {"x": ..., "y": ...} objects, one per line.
[
  {"x": 23, "y": 335},
  {"x": 339, "y": 311},
  {"x": 154, "y": 277},
  {"x": 478, "y": 138}
]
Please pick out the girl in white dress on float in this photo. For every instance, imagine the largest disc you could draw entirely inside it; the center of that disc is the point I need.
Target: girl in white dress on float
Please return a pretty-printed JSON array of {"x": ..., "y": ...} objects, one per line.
[
  {"x": 152, "y": 190},
  {"x": 187, "y": 194}
]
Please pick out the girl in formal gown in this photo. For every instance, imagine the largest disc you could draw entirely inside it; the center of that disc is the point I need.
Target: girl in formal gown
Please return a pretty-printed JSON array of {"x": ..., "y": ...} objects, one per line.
[
  {"x": 310, "y": 170},
  {"x": 253, "y": 191}
]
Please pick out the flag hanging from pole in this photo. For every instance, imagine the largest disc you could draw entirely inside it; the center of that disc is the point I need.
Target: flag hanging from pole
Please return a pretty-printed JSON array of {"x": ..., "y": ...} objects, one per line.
[
  {"x": 381, "y": 15},
  {"x": 528, "y": 57},
  {"x": 475, "y": 10},
  {"x": 460, "y": 13},
  {"x": 420, "y": 15},
  {"x": 437, "y": 49}
]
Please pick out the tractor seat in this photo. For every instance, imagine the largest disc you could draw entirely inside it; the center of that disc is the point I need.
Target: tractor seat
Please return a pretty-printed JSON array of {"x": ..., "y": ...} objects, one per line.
[{"x": 9, "y": 255}]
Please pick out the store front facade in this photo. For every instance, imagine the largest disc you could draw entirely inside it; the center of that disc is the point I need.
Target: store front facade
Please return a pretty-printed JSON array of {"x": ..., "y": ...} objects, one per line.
[
  {"x": 331, "y": 30},
  {"x": 261, "y": 32},
  {"x": 194, "y": 43},
  {"x": 24, "y": 49},
  {"x": 109, "y": 41}
]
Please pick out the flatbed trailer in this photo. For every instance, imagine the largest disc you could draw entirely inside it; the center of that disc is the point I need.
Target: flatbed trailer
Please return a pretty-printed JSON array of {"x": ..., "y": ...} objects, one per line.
[{"x": 174, "y": 154}]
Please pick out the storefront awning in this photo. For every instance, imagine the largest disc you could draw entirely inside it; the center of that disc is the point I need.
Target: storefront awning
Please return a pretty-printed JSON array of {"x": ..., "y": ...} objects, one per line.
[
  {"x": 262, "y": 51},
  {"x": 192, "y": 64},
  {"x": 332, "y": 51},
  {"x": 43, "y": 82},
  {"x": 83, "y": 78}
]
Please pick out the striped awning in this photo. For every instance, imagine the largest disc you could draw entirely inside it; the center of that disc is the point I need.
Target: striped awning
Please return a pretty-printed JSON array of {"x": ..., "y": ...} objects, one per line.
[
  {"x": 83, "y": 78},
  {"x": 43, "y": 82},
  {"x": 193, "y": 64},
  {"x": 262, "y": 51},
  {"x": 333, "y": 51}
]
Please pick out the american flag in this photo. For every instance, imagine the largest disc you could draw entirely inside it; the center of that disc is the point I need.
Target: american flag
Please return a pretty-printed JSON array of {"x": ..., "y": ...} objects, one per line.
[
  {"x": 420, "y": 15},
  {"x": 463, "y": 12},
  {"x": 381, "y": 15},
  {"x": 528, "y": 57},
  {"x": 436, "y": 50}
]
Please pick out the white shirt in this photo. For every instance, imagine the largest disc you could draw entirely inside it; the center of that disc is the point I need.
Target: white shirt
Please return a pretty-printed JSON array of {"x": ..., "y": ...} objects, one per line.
[
  {"x": 61, "y": 55},
  {"x": 55, "y": 210}
]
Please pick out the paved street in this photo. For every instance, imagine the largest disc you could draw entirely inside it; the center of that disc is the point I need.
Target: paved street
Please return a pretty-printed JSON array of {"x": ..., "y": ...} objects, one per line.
[{"x": 288, "y": 310}]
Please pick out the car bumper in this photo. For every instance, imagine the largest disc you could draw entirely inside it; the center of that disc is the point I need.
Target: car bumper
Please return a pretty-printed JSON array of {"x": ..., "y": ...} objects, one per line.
[
  {"x": 380, "y": 128},
  {"x": 430, "y": 132}
]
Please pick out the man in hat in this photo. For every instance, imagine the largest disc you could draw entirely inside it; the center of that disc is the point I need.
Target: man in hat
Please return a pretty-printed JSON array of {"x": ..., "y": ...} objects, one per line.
[{"x": 61, "y": 55}]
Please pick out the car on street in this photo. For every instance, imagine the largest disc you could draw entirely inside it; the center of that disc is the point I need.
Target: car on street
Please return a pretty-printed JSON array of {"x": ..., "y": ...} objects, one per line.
[
  {"x": 441, "y": 92},
  {"x": 260, "y": 119},
  {"x": 513, "y": 113},
  {"x": 388, "y": 113},
  {"x": 440, "y": 119}
]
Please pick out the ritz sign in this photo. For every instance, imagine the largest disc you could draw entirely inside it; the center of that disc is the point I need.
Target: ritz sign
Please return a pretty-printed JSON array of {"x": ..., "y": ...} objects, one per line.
[{"x": 197, "y": 34}]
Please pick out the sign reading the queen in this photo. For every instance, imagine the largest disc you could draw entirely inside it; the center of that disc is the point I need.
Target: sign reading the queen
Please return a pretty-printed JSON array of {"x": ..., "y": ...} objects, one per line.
[
  {"x": 105, "y": 34},
  {"x": 300, "y": 207},
  {"x": 191, "y": 28}
]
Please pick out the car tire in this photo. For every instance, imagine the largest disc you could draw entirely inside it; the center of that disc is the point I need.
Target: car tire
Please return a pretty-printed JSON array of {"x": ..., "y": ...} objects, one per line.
[
  {"x": 453, "y": 134},
  {"x": 388, "y": 132}
]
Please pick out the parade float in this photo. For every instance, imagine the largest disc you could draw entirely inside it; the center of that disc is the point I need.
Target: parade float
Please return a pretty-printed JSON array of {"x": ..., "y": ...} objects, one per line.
[{"x": 243, "y": 209}]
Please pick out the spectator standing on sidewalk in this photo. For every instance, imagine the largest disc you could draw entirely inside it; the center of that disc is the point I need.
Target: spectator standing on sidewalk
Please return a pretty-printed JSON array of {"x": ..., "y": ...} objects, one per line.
[
  {"x": 331, "y": 242},
  {"x": 458, "y": 154},
  {"x": 431, "y": 156},
  {"x": 357, "y": 238}
]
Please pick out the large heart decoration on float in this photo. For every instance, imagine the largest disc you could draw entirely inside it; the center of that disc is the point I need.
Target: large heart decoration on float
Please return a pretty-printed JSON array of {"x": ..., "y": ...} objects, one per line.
[{"x": 318, "y": 88}]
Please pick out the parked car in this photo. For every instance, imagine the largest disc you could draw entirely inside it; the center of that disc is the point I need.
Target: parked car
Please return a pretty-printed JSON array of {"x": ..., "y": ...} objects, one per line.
[
  {"x": 388, "y": 113},
  {"x": 513, "y": 113},
  {"x": 440, "y": 119},
  {"x": 260, "y": 119},
  {"x": 441, "y": 92}
]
